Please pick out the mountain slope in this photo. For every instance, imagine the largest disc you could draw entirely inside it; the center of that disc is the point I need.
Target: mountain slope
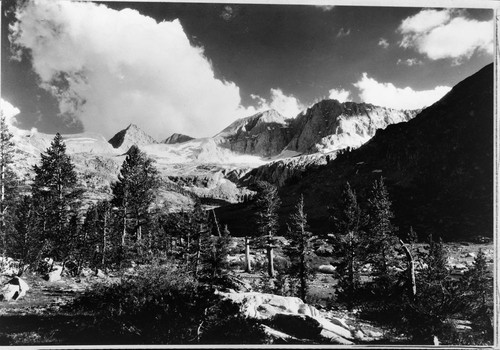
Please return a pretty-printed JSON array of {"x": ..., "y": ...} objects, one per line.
[
  {"x": 438, "y": 168},
  {"x": 177, "y": 138},
  {"x": 131, "y": 135},
  {"x": 264, "y": 134}
]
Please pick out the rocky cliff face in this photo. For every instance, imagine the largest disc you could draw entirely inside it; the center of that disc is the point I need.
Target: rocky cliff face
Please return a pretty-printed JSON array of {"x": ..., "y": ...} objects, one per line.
[
  {"x": 264, "y": 134},
  {"x": 177, "y": 138},
  {"x": 330, "y": 125},
  {"x": 131, "y": 135}
]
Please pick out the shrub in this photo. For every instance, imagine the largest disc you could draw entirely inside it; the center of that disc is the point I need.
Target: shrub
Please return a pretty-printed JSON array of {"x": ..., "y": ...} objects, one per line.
[{"x": 161, "y": 305}]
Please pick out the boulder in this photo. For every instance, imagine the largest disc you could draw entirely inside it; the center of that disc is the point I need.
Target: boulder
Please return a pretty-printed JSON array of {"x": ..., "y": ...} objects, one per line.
[
  {"x": 54, "y": 275},
  {"x": 327, "y": 269},
  {"x": 15, "y": 289},
  {"x": 264, "y": 305}
]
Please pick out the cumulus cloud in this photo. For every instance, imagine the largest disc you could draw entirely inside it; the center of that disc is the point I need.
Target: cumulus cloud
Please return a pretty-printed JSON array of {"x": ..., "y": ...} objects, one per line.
[
  {"x": 340, "y": 95},
  {"x": 110, "y": 68},
  {"x": 287, "y": 105},
  {"x": 440, "y": 34},
  {"x": 409, "y": 61},
  {"x": 388, "y": 95},
  {"x": 8, "y": 111},
  {"x": 383, "y": 42}
]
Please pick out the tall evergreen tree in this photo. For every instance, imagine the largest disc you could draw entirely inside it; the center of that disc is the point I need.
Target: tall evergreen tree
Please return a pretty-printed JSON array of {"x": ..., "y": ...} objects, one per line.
[
  {"x": 134, "y": 192},
  {"x": 55, "y": 195},
  {"x": 349, "y": 242},
  {"x": 300, "y": 248},
  {"x": 380, "y": 228},
  {"x": 8, "y": 184},
  {"x": 268, "y": 203}
]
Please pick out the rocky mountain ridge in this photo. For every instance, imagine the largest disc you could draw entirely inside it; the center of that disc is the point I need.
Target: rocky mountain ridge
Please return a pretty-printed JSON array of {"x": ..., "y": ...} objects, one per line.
[
  {"x": 177, "y": 138},
  {"x": 438, "y": 168}
]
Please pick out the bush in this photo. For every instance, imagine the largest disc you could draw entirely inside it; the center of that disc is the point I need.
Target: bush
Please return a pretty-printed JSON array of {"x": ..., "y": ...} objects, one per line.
[{"x": 160, "y": 305}]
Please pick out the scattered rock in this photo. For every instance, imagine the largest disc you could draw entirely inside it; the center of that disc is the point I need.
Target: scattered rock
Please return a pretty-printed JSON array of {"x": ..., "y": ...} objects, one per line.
[
  {"x": 54, "y": 275},
  {"x": 15, "y": 289},
  {"x": 327, "y": 269}
]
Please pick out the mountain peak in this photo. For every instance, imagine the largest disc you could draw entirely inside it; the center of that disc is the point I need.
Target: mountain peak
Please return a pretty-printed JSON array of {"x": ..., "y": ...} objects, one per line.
[{"x": 131, "y": 135}]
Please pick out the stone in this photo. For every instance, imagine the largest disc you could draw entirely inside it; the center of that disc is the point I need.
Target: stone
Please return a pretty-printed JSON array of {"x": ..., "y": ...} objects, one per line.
[
  {"x": 263, "y": 305},
  {"x": 277, "y": 335},
  {"x": 334, "y": 328},
  {"x": 327, "y": 269},
  {"x": 15, "y": 289},
  {"x": 335, "y": 338},
  {"x": 54, "y": 275}
]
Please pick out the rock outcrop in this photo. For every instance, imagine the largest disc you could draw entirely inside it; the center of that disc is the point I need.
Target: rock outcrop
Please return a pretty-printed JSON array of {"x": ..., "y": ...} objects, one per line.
[
  {"x": 177, "y": 138},
  {"x": 289, "y": 318},
  {"x": 264, "y": 134},
  {"x": 14, "y": 289}
]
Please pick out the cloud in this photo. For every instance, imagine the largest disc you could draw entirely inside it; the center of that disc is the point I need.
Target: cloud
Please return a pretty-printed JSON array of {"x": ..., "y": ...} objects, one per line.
[
  {"x": 409, "y": 61},
  {"x": 388, "y": 95},
  {"x": 325, "y": 8},
  {"x": 228, "y": 13},
  {"x": 441, "y": 34},
  {"x": 343, "y": 32},
  {"x": 287, "y": 105},
  {"x": 340, "y": 95},
  {"x": 110, "y": 68},
  {"x": 8, "y": 111},
  {"x": 383, "y": 42}
]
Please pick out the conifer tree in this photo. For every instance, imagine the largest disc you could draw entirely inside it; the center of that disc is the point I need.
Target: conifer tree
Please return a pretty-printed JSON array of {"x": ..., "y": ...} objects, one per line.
[
  {"x": 214, "y": 255},
  {"x": 8, "y": 184},
  {"x": 380, "y": 229},
  {"x": 25, "y": 244},
  {"x": 55, "y": 195},
  {"x": 349, "y": 243},
  {"x": 268, "y": 203},
  {"x": 134, "y": 192},
  {"x": 300, "y": 248}
]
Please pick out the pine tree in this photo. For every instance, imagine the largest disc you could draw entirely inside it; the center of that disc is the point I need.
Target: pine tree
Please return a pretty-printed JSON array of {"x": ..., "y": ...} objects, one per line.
[
  {"x": 134, "y": 193},
  {"x": 25, "y": 244},
  {"x": 381, "y": 230},
  {"x": 214, "y": 256},
  {"x": 349, "y": 243},
  {"x": 268, "y": 203},
  {"x": 300, "y": 248},
  {"x": 55, "y": 195},
  {"x": 8, "y": 184}
]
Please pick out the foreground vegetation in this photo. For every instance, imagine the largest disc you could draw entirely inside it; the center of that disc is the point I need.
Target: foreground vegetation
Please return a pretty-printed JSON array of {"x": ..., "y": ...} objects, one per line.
[{"x": 170, "y": 264}]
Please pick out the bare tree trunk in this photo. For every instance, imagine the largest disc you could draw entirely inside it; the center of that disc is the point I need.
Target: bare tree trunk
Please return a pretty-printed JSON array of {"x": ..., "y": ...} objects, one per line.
[
  {"x": 248, "y": 267},
  {"x": 411, "y": 270},
  {"x": 216, "y": 224},
  {"x": 270, "y": 257}
]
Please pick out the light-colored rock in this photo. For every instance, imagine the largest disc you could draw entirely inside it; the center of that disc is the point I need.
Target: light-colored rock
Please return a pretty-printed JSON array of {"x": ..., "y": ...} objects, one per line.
[
  {"x": 264, "y": 305},
  {"x": 275, "y": 334},
  {"x": 335, "y": 338},
  {"x": 15, "y": 289},
  {"x": 327, "y": 269},
  {"x": 54, "y": 275},
  {"x": 334, "y": 328}
]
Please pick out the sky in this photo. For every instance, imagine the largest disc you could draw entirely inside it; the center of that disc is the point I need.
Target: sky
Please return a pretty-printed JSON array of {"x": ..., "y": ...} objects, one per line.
[{"x": 194, "y": 68}]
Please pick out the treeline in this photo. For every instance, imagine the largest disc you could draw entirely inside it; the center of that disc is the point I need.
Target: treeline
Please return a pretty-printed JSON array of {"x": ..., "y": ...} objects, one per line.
[
  {"x": 51, "y": 223},
  {"x": 376, "y": 270}
]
